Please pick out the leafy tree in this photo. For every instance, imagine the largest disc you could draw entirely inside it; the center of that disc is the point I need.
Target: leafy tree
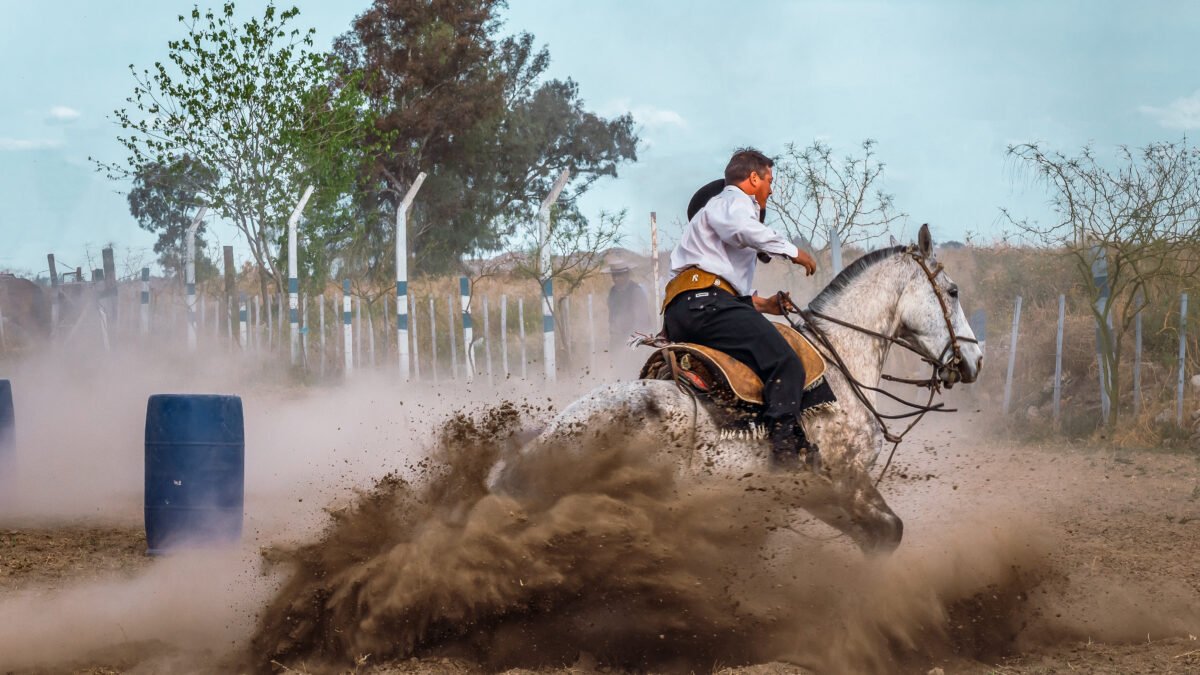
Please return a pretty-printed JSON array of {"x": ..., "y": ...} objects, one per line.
[
  {"x": 164, "y": 199},
  {"x": 469, "y": 108},
  {"x": 815, "y": 191},
  {"x": 254, "y": 103},
  {"x": 1142, "y": 217}
]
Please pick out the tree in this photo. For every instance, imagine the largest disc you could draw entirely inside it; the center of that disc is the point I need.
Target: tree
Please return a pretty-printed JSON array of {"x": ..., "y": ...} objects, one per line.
[
  {"x": 164, "y": 199},
  {"x": 1142, "y": 218},
  {"x": 469, "y": 107},
  {"x": 258, "y": 107},
  {"x": 813, "y": 191}
]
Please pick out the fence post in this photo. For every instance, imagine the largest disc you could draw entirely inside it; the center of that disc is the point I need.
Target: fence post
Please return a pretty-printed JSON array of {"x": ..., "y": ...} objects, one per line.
[
  {"x": 521, "y": 328},
  {"x": 1183, "y": 298},
  {"x": 111, "y": 306},
  {"x": 487, "y": 340},
  {"x": 54, "y": 310},
  {"x": 433, "y": 358},
  {"x": 1012, "y": 355},
  {"x": 402, "y": 276},
  {"x": 1058, "y": 354},
  {"x": 294, "y": 275},
  {"x": 347, "y": 330},
  {"x": 544, "y": 264},
  {"x": 243, "y": 328},
  {"x": 453, "y": 338},
  {"x": 464, "y": 296},
  {"x": 321, "y": 312},
  {"x": 145, "y": 316},
  {"x": 370, "y": 331},
  {"x": 1100, "y": 280},
  {"x": 256, "y": 313},
  {"x": 504, "y": 334},
  {"x": 416, "y": 342},
  {"x": 230, "y": 288}
]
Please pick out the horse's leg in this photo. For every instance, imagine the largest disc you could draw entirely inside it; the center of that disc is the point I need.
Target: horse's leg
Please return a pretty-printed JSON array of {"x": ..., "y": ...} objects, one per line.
[{"x": 849, "y": 502}]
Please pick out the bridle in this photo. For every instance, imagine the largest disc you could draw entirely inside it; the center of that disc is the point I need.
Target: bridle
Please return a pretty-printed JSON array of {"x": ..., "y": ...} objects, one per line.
[{"x": 943, "y": 367}]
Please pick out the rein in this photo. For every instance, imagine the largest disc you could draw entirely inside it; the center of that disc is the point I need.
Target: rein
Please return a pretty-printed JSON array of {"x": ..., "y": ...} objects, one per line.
[{"x": 933, "y": 383}]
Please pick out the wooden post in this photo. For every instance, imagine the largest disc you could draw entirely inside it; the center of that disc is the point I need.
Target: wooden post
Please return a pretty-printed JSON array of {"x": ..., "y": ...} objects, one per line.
[
  {"x": 110, "y": 283},
  {"x": 321, "y": 314},
  {"x": 145, "y": 315},
  {"x": 54, "y": 308},
  {"x": 1012, "y": 355},
  {"x": 1100, "y": 281},
  {"x": 1137, "y": 360},
  {"x": 1058, "y": 354},
  {"x": 255, "y": 322},
  {"x": 358, "y": 331},
  {"x": 592, "y": 330},
  {"x": 1183, "y": 298},
  {"x": 370, "y": 333},
  {"x": 544, "y": 265}
]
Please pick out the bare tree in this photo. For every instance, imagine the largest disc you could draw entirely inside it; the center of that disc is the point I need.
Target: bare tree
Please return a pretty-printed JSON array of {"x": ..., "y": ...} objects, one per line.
[
  {"x": 1142, "y": 219},
  {"x": 814, "y": 191},
  {"x": 577, "y": 250}
]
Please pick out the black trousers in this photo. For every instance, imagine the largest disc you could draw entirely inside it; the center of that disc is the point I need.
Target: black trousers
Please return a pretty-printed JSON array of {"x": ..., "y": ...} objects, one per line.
[{"x": 731, "y": 324}]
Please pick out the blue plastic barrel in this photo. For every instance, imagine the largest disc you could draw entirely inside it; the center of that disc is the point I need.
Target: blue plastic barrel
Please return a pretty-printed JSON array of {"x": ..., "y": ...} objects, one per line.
[
  {"x": 195, "y": 471},
  {"x": 8, "y": 428}
]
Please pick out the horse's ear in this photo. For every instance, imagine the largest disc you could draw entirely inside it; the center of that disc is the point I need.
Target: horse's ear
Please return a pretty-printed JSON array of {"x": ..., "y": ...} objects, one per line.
[
  {"x": 892, "y": 241},
  {"x": 925, "y": 241}
]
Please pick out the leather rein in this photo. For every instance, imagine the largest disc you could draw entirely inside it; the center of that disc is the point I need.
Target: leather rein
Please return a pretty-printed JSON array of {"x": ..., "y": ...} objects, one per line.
[{"x": 940, "y": 365}]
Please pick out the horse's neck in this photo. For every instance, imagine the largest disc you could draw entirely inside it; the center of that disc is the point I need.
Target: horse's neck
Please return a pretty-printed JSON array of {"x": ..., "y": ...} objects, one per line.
[{"x": 871, "y": 302}]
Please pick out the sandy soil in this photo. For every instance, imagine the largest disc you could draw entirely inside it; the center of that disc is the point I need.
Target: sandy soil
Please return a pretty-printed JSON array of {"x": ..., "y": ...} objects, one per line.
[{"x": 1125, "y": 523}]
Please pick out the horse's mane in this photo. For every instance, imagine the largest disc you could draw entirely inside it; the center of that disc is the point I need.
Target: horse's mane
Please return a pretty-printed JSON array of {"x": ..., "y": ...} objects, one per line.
[{"x": 849, "y": 274}]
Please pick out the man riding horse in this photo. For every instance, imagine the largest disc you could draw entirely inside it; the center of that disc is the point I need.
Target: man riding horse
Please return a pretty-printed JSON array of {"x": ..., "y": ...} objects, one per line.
[{"x": 710, "y": 299}]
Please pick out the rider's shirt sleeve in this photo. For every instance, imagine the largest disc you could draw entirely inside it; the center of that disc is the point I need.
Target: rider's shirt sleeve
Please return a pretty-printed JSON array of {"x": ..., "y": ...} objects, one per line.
[{"x": 735, "y": 221}]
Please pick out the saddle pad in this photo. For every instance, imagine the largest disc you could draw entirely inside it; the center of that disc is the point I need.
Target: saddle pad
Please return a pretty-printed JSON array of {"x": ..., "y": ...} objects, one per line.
[{"x": 742, "y": 381}]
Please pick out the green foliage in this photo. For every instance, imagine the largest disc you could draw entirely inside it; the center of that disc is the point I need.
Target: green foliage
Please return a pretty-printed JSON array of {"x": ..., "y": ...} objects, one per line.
[
  {"x": 254, "y": 104},
  {"x": 163, "y": 200},
  {"x": 469, "y": 108}
]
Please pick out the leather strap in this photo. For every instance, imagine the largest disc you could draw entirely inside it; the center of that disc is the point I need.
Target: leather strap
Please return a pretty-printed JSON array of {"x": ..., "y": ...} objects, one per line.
[{"x": 693, "y": 279}]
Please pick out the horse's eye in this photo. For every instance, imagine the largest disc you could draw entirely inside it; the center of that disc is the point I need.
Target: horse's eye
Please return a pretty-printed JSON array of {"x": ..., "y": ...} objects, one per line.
[{"x": 953, "y": 290}]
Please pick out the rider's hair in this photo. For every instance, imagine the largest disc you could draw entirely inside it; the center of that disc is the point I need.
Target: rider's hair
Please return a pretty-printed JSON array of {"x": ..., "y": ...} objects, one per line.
[{"x": 743, "y": 162}]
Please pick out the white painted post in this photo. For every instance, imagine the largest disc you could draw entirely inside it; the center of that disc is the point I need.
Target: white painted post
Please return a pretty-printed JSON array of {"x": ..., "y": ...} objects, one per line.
[
  {"x": 1183, "y": 298},
  {"x": 504, "y": 334},
  {"x": 145, "y": 301},
  {"x": 1058, "y": 354},
  {"x": 189, "y": 277},
  {"x": 547, "y": 280},
  {"x": 521, "y": 328},
  {"x": 402, "y": 276},
  {"x": 653, "y": 262},
  {"x": 464, "y": 296},
  {"x": 453, "y": 338},
  {"x": 1012, "y": 355},
  {"x": 255, "y": 337},
  {"x": 386, "y": 334},
  {"x": 294, "y": 274},
  {"x": 321, "y": 312},
  {"x": 203, "y": 313},
  {"x": 1100, "y": 280},
  {"x": 304, "y": 339},
  {"x": 266, "y": 301},
  {"x": 487, "y": 340},
  {"x": 592, "y": 327},
  {"x": 243, "y": 330},
  {"x": 347, "y": 330},
  {"x": 433, "y": 358}
]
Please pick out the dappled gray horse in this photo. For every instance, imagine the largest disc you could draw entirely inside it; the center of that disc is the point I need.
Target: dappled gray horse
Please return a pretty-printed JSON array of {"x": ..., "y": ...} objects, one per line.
[{"x": 899, "y": 292}]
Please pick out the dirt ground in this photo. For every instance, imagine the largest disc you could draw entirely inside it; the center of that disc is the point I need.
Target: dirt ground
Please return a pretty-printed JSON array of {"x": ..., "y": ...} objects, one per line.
[{"x": 1118, "y": 520}]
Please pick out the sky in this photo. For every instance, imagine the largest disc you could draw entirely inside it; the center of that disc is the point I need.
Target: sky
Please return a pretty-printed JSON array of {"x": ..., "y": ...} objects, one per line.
[{"x": 942, "y": 86}]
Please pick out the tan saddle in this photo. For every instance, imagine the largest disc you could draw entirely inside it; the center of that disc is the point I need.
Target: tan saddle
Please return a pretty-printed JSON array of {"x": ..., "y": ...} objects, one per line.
[{"x": 711, "y": 370}]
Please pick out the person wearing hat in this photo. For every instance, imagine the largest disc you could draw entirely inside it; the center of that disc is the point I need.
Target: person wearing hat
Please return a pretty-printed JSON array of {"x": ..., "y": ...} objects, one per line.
[
  {"x": 710, "y": 299},
  {"x": 628, "y": 308}
]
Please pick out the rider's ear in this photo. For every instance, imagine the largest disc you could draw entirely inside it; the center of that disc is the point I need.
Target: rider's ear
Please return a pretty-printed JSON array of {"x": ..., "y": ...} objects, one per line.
[{"x": 925, "y": 241}]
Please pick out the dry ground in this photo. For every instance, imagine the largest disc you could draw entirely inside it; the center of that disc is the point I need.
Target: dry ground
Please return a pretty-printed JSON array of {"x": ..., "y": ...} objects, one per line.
[{"x": 1118, "y": 519}]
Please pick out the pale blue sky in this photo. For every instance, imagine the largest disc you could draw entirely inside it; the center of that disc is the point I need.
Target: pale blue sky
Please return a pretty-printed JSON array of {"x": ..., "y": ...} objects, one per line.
[{"x": 943, "y": 87}]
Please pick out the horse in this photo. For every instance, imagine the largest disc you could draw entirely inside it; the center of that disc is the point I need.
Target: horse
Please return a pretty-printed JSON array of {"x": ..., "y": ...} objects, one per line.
[{"x": 898, "y": 295}]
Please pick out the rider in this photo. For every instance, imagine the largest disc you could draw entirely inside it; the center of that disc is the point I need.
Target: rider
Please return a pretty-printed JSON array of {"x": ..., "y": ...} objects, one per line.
[{"x": 709, "y": 301}]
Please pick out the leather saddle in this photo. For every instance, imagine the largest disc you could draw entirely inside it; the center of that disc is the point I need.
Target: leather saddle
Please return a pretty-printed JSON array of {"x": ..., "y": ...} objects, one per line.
[{"x": 715, "y": 372}]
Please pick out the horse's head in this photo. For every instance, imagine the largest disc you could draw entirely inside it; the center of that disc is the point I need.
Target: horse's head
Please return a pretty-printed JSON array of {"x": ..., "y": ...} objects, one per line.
[{"x": 932, "y": 319}]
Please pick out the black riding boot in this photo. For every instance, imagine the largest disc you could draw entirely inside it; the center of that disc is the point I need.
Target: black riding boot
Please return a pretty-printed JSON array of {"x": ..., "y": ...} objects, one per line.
[{"x": 791, "y": 450}]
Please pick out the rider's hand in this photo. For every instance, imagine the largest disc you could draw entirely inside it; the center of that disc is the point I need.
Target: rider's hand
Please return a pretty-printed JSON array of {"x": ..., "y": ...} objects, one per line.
[
  {"x": 805, "y": 260},
  {"x": 778, "y": 304}
]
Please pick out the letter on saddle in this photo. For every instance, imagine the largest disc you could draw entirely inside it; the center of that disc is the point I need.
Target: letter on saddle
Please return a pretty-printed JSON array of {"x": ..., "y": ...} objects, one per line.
[{"x": 709, "y": 369}]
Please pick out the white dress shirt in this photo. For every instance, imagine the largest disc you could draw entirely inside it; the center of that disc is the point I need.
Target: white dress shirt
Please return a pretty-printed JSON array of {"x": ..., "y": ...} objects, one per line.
[{"x": 724, "y": 238}]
